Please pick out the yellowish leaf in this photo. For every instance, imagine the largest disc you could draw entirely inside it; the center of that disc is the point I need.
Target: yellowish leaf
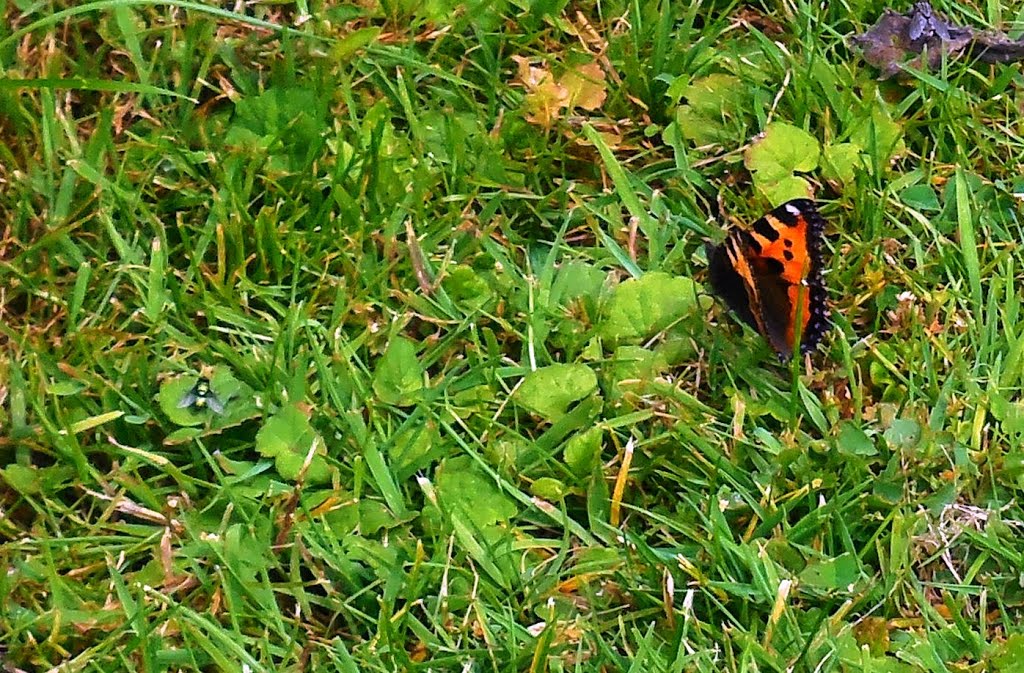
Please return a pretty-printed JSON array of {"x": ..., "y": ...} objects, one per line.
[
  {"x": 586, "y": 86},
  {"x": 545, "y": 98}
]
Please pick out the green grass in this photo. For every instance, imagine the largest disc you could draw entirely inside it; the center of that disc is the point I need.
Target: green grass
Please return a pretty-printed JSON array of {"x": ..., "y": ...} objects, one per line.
[{"x": 479, "y": 412}]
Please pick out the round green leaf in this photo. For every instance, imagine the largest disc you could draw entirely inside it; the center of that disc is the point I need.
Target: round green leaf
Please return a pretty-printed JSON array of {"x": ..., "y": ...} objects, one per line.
[
  {"x": 172, "y": 392},
  {"x": 788, "y": 188},
  {"x": 716, "y": 94},
  {"x": 549, "y": 488},
  {"x": 854, "y": 442},
  {"x": 463, "y": 487},
  {"x": 233, "y": 395},
  {"x": 836, "y": 574},
  {"x": 921, "y": 197},
  {"x": 287, "y": 437},
  {"x": 1008, "y": 656},
  {"x": 398, "y": 378},
  {"x": 287, "y": 431},
  {"x": 583, "y": 451},
  {"x": 21, "y": 478},
  {"x": 66, "y": 388},
  {"x": 576, "y": 279},
  {"x": 289, "y": 465},
  {"x": 634, "y": 365},
  {"x": 904, "y": 433},
  {"x": 840, "y": 162},
  {"x": 878, "y": 135},
  {"x": 550, "y": 390},
  {"x": 466, "y": 287},
  {"x": 781, "y": 150},
  {"x": 641, "y": 307}
]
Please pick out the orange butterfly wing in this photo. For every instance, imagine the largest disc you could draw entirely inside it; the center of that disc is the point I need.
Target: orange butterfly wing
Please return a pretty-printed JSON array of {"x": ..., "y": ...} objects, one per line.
[{"x": 770, "y": 276}]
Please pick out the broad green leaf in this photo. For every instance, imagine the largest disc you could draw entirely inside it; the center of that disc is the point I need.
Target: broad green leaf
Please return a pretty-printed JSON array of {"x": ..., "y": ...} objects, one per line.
[
  {"x": 374, "y": 516},
  {"x": 716, "y": 94},
  {"x": 245, "y": 554},
  {"x": 343, "y": 519},
  {"x": 1010, "y": 415},
  {"x": 679, "y": 347},
  {"x": 462, "y": 486},
  {"x": 1009, "y": 657},
  {"x": 244, "y": 551},
  {"x": 921, "y": 197},
  {"x": 172, "y": 393},
  {"x": 582, "y": 452},
  {"x": 781, "y": 150},
  {"x": 832, "y": 575},
  {"x": 347, "y": 46},
  {"x": 636, "y": 362},
  {"x": 182, "y": 435},
  {"x": 677, "y": 86},
  {"x": 904, "y": 433},
  {"x": 285, "y": 120},
  {"x": 632, "y": 368},
  {"x": 289, "y": 466},
  {"x": 23, "y": 479},
  {"x": 414, "y": 449},
  {"x": 549, "y": 488},
  {"x": 466, "y": 287},
  {"x": 286, "y": 431},
  {"x": 235, "y": 396},
  {"x": 576, "y": 279},
  {"x": 477, "y": 398},
  {"x": 574, "y": 296},
  {"x": 773, "y": 158},
  {"x": 641, "y": 307},
  {"x": 788, "y": 188},
  {"x": 879, "y": 136},
  {"x": 398, "y": 378},
  {"x": 785, "y": 554},
  {"x": 714, "y": 104},
  {"x": 66, "y": 387},
  {"x": 853, "y": 441},
  {"x": 508, "y": 451},
  {"x": 287, "y": 437},
  {"x": 550, "y": 390},
  {"x": 700, "y": 130},
  {"x": 840, "y": 162}
]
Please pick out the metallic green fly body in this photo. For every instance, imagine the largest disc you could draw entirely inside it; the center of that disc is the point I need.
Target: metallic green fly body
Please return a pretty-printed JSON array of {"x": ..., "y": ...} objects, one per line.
[{"x": 201, "y": 396}]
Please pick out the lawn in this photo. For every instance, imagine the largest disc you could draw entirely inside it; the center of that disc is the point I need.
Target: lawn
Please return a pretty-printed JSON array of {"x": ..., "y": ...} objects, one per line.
[{"x": 379, "y": 337}]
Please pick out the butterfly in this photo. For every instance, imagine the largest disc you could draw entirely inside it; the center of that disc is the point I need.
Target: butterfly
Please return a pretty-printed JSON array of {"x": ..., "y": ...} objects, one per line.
[{"x": 770, "y": 276}]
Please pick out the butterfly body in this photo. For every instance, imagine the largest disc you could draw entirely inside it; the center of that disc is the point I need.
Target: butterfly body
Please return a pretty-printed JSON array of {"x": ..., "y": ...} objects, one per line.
[{"x": 770, "y": 276}]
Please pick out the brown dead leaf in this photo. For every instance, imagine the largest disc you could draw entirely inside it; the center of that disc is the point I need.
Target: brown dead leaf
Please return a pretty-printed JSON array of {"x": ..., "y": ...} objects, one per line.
[
  {"x": 586, "y": 86},
  {"x": 545, "y": 98},
  {"x": 548, "y": 98},
  {"x": 923, "y": 38},
  {"x": 756, "y": 19},
  {"x": 612, "y": 140},
  {"x": 592, "y": 38},
  {"x": 419, "y": 651}
]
